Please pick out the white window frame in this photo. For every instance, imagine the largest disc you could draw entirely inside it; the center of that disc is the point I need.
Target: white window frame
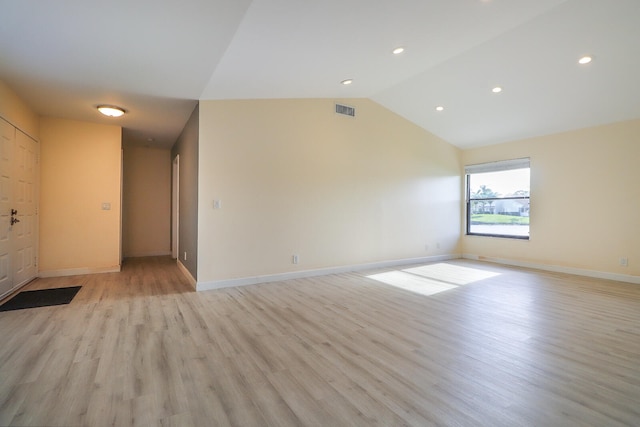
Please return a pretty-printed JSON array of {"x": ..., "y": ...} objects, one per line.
[{"x": 498, "y": 166}]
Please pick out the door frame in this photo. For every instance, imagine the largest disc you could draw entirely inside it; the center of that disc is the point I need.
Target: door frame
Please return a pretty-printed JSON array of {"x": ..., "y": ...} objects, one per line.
[{"x": 175, "y": 206}]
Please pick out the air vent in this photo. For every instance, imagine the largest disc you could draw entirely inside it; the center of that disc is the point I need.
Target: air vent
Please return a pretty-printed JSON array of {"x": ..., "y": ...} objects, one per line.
[{"x": 345, "y": 110}]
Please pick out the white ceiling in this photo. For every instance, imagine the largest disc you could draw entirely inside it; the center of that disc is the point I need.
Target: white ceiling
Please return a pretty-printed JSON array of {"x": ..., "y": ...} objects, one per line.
[{"x": 156, "y": 58}]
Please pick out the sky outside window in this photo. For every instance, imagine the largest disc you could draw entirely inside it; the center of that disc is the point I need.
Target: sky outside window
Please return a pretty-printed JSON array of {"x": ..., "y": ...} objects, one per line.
[{"x": 502, "y": 182}]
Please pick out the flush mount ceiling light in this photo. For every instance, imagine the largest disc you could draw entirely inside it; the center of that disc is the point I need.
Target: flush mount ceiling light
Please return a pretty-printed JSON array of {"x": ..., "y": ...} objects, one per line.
[
  {"x": 439, "y": 108},
  {"x": 346, "y": 82},
  {"x": 585, "y": 60},
  {"x": 496, "y": 89},
  {"x": 110, "y": 110},
  {"x": 398, "y": 50}
]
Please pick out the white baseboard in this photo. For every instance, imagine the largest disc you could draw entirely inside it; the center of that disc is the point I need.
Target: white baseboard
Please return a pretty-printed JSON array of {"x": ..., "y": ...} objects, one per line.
[
  {"x": 558, "y": 269},
  {"x": 244, "y": 281},
  {"x": 78, "y": 271},
  {"x": 146, "y": 254},
  {"x": 187, "y": 273}
]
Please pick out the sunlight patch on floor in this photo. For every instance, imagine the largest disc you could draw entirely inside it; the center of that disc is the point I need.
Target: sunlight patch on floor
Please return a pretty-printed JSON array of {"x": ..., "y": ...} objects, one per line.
[
  {"x": 454, "y": 274},
  {"x": 411, "y": 282},
  {"x": 432, "y": 279}
]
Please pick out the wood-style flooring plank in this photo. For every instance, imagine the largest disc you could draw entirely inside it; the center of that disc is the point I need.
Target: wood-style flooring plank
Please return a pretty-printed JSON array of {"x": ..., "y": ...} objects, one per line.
[{"x": 474, "y": 344}]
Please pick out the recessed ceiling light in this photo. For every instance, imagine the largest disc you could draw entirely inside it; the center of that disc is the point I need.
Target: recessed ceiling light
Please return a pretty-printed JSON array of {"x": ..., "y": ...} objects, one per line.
[
  {"x": 496, "y": 89},
  {"x": 398, "y": 50},
  {"x": 110, "y": 110},
  {"x": 347, "y": 82},
  {"x": 585, "y": 60},
  {"x": 439, "y": 108}
]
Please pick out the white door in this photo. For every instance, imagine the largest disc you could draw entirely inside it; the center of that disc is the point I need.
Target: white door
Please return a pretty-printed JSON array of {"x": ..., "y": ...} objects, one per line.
[
  {"x": 24, "y": 196},
  {"x": 18, "y": 207},
  {"x": 7, "y": 139}
]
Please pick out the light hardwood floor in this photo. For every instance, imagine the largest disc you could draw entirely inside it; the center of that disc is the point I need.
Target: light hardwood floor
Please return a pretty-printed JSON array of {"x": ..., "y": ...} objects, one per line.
[{"x": 504, "y": 347}]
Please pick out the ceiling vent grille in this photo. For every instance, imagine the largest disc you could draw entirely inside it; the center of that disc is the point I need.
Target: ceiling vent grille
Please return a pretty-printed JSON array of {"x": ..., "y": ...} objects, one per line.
[{"x": 345, "y": 110}]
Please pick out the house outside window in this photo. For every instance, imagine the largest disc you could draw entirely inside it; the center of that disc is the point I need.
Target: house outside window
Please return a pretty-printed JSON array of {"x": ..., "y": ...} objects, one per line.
[{"x": 497, "y": 197}]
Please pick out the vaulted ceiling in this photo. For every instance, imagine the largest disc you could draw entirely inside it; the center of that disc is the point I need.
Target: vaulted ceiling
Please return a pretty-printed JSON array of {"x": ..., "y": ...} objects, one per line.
[{"x": 156, "y": 58}]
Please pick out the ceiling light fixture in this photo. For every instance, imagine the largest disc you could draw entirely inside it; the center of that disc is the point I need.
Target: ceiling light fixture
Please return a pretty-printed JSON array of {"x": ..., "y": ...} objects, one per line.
[
  {"x": 398, "y": 50},
  {"x": 496, "y": 89},
  {"x": 110, "y": 110},
  {"x": 585, "y": 60},
  {"x": 346, "y": 82},
  {"x": 439, "y": 108}
]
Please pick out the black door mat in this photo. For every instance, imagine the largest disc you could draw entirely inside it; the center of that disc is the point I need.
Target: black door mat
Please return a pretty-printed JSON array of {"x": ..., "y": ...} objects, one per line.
[{"x": 40, "y": 298}]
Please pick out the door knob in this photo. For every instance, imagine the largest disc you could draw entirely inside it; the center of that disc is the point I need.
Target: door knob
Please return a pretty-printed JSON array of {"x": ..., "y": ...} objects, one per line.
[{"x": 14, "y": 220}]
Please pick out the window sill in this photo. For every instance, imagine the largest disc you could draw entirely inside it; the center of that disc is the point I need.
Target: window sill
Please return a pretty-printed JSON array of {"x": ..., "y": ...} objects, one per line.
[{"x": 501, "y": 236}]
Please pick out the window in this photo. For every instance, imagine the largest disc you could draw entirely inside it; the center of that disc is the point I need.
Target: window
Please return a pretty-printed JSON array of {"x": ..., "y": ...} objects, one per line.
[{"x": 498, "y": 199}]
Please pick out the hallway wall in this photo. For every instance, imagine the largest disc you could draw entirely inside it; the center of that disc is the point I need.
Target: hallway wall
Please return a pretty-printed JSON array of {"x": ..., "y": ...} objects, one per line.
[
  {"x": 146, "y": 204},
  {"x": 80, "y": 171}
]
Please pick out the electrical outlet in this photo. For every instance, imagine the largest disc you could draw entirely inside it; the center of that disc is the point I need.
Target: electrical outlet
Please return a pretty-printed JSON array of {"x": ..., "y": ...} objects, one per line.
[
  {"x": 217, "y": 204},
  {"x": 294, "y": 259},
  {"x": 624, "y": 262}
]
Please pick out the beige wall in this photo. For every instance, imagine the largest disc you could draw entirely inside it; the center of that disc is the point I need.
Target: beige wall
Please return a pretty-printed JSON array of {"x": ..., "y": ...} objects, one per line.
[
  {"x": 17, "y": 112},
  {"x": 146, "y": 211},
  {"x": 295, "y": 178},
  {"x": 80, "y": 169},
  {"x": 584, "y": 200}
]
